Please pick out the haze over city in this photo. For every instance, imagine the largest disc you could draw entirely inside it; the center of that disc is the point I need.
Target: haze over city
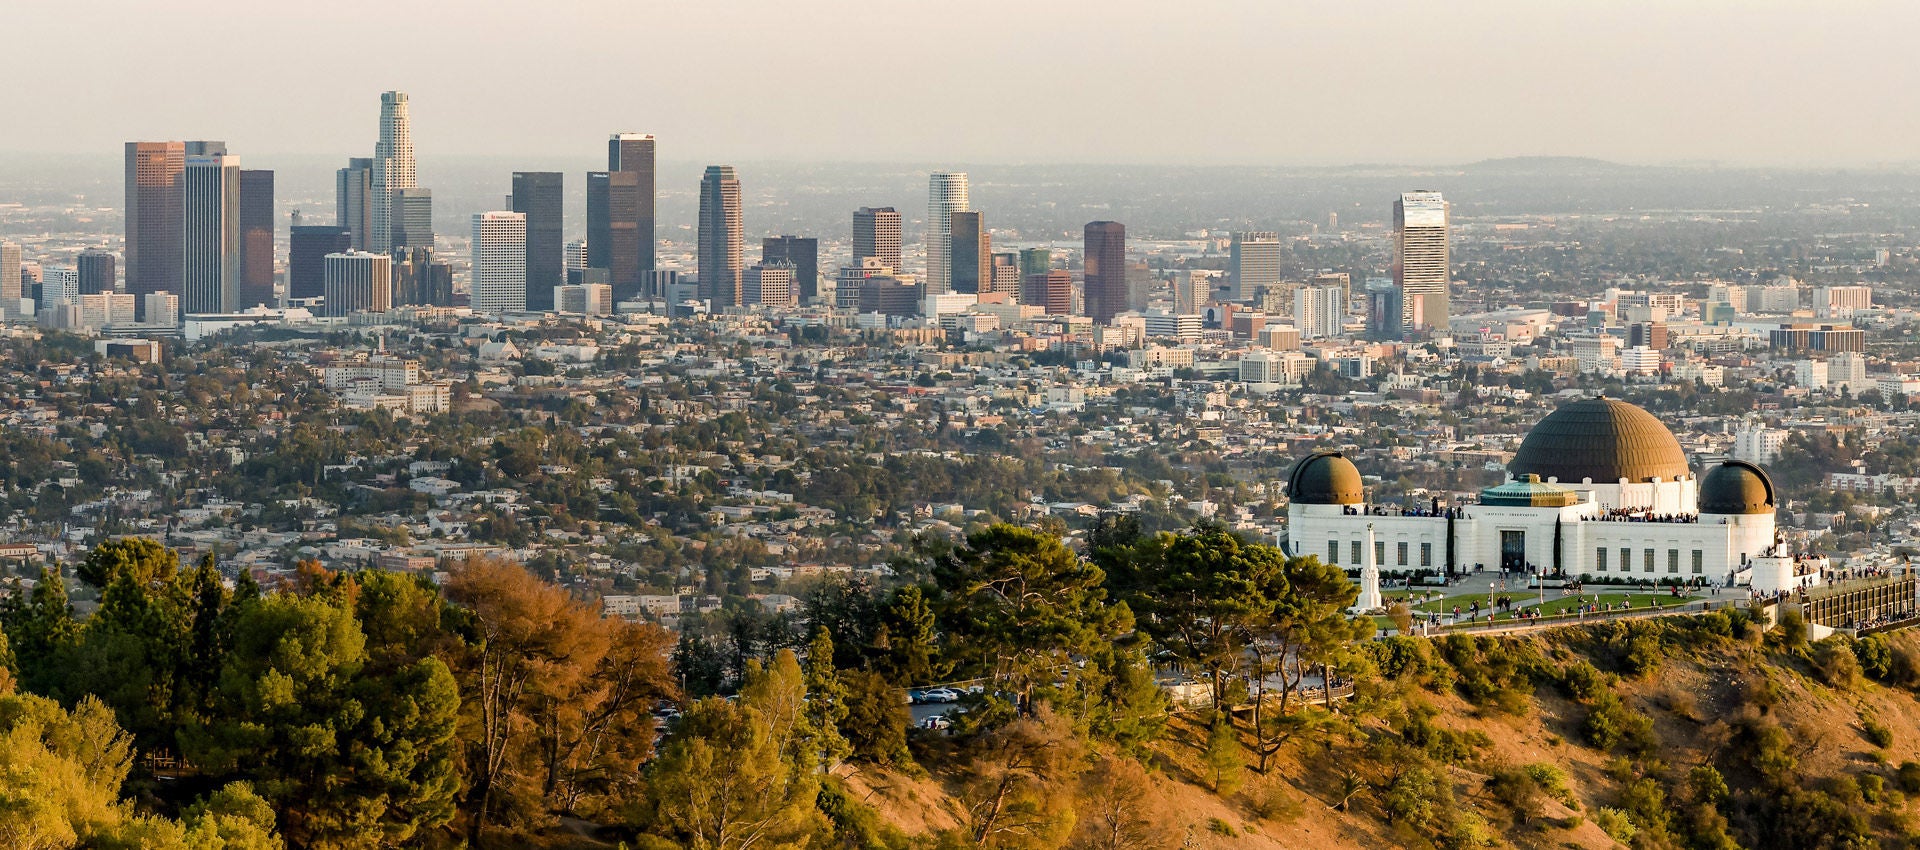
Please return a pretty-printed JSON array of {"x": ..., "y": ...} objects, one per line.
[{"x": 1130, "y": 81}]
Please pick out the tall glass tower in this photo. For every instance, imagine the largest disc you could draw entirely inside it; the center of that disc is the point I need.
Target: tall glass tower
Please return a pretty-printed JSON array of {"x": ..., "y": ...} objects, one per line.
[{"x": 393, "y": 171}]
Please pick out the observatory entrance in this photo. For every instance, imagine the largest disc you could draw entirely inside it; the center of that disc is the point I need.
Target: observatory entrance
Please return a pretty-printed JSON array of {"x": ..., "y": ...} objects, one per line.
[{"x": 1513, "y": 550}]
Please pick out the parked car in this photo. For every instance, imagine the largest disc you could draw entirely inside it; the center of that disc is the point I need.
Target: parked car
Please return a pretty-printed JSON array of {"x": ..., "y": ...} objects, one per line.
[
  {"x": 916, "y": 697},
  {"x": 943, "y": 695},
  {"x": 938, "y": 722}
]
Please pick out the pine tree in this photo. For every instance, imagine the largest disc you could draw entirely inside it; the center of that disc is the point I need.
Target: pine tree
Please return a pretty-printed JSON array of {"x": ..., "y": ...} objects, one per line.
[{"x": 826, "y": 700}]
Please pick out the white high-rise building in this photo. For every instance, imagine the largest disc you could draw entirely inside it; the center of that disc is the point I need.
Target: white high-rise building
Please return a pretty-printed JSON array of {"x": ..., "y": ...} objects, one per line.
[
  {"x": 393, "y": 170},
  {"x": 358, "y": 282},
  {"x": 946, "y": 195},
  {"x": 583, "y": 299},
  {"x": 1847, "y": 367},
  {"x": 210, "y": 277},
  {"x": 499, "y": 280},
  {"x": 1320, "y": 311},
  {"x": 163, "y": 308},
  {"x": 59, "y": 286},
  {"x": 1253, "y": 264},
  {"x": 1422, "y": 263},
  {"x": 1756, "y": 443},
  {"x": 1841, "y": 302}
]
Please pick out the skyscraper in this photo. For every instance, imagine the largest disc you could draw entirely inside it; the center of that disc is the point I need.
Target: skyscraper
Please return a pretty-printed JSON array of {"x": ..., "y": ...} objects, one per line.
[
  {"x": 1005, "y": 274},
  {"x": 358, "y": 281},
  {"x": 574, "y": 254},
  {"x": 876, "y": 233},
  {"x": 769, "y": 284},
  {"x": 353, "y": 199},
  {"x": 1253, "y": 264},
  {"x": 419, "y": 279},
  {"x": 537, "y": 194},
  {"x": 256, "y": 238},
  {"x": 1105, "y": 279},
  {"x": 499, "y": 280},
  {"x": 307, "y": 250},
  {"x": 155, "y": 171},
  {"x": 96, "y": 267},
  {"x": 1421, "y": 265},
  {"x": 210, "y": 230},
  {"x": 1385, "y": 309},
  {"x": 721, "y": 232},
  {"x": 970, "y": 256},
  {"x": 613, "y": 243},
  {"x": 803, "y": 252},
  {"x": 633, "y": 153},
  {"x": 393, "y": 171},
  {"x": 1035, "y": 261},
  {"x": 1320, "y": 311},
  {"x": 413, "y": 218},
  {"x": 9, "y": 279},
  {"x": 1051, "y": 291},
  {"x": 946, "y": 195}
]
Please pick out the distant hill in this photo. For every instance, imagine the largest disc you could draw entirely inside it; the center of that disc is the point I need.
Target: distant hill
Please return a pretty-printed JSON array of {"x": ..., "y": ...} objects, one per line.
[{"x": 1546, "y": 165}]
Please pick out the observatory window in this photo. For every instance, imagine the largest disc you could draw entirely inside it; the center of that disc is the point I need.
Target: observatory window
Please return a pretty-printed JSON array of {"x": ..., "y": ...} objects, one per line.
[
  {"x": 1673, "y": 560},
  {"x": 1626, "y": 560},
  {"x": 1403, "y": 554},
  {"x": 1600, "y": 559},
  {"x": 1380, "y": 552},
  {"x": 1426, "y": 554},
  {"x": 1647, "y": 561},
  {"x": 1698, "y": 558},
  {"x": 1356, "y": 553},
  {"x": 1333, "y": 551}
]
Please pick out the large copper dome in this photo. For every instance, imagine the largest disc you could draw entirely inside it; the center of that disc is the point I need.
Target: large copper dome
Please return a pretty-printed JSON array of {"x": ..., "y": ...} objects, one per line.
[
  {"x": 1601, "y": 440},
  {"x": 1326, "y": 478}
]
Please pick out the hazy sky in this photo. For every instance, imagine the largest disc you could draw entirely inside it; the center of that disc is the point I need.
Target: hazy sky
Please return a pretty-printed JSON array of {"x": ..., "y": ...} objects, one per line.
[{"x": 1136, "y": 81}]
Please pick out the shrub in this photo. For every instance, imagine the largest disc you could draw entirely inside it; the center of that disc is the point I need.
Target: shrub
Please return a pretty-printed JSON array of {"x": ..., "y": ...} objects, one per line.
[
  {"x": 1553, "y": 781},
  {"x": 1907, "y": 777},
  {"x": 1793, "y": 628},
  {"x": 1876, "y": 656},
  {"x": 1616, "y": 824},
  {"x": 1876, "y": 734},
  {"x": 1220, "y": 827},
  {"x": 1873, "y": 787},
  {"x": 1516, "y": 789},
  {"x": 1611, "y": 723},
  {"x": 1583, "y": 681},
  {"x": 1834, "y": 663}
]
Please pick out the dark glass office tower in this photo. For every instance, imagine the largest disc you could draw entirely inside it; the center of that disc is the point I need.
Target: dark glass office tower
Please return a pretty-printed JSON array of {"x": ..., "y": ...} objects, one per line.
[
  {"x": 256, "y": 237},
  {"x": 1105, "y": 281},
  {"x": 876, "y": 233},
  {"x": 612, "y": 241},
  {"x": 537, "y": 194},
  {"x": 633, "y": 153},
  {"x": 969, "y": 269},
  {"x": 96, "y": 267},
  {"x": 307, "y": 251},
  {"x": 721, "y": 232},
  {"x": 412, "y": 213},
  {"x": 155, "y": 211},
  {"x": 352, "y": 199},
  {"x": 804, "y": 253},
  {"x": 1035, "y": 261}
]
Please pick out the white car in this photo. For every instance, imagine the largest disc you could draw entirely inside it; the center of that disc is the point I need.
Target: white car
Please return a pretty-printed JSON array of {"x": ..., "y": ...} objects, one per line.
[{"x": 943, "y": 695}]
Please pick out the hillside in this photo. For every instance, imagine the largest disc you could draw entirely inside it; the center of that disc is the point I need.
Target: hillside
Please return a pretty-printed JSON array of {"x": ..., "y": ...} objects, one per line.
[{"x": 1793, "y": 750}]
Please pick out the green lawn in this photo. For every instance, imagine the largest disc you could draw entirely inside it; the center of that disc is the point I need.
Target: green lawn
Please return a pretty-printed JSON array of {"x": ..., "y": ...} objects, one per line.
[
  {"x": 1443, "y": 605},
  {"x": 1556, "y": 605}
]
